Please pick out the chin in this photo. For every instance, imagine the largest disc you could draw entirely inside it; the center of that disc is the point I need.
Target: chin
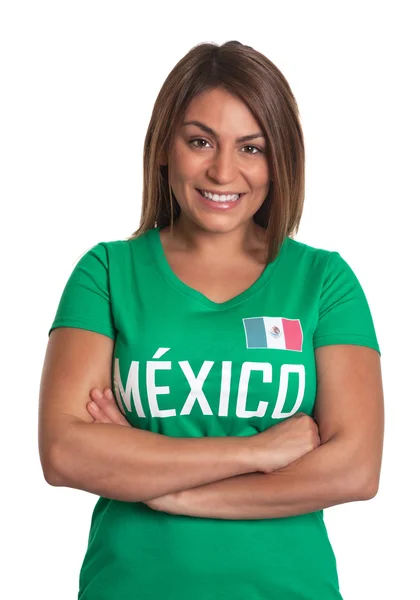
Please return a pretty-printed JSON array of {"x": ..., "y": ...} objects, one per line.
[{"x": 220, "y": 225}]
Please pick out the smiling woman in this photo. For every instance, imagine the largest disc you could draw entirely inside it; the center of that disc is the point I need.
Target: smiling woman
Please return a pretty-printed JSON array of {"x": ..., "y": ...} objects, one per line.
[
  {"x": 215, "y": 101},
  {"x": 221, "y": 337}
]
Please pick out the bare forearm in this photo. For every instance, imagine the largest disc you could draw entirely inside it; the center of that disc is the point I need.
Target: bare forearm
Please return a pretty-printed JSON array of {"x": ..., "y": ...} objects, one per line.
[
  {"x": 324, "y": 477},
  {"x": 134, "y": 465}
]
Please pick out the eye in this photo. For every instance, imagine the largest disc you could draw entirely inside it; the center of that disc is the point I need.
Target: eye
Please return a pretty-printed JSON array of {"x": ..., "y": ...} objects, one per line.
[
  {"x": 198, "y": 140},
  {"x": 259, "y": 151}
]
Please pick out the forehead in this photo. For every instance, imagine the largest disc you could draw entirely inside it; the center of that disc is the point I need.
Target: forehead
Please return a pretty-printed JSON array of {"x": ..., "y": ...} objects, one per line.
[{"x": 222, "y": 111}]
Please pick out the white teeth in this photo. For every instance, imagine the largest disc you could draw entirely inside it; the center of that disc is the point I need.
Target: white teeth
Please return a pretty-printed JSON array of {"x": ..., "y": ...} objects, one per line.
[{"x": 217, "y": 198}]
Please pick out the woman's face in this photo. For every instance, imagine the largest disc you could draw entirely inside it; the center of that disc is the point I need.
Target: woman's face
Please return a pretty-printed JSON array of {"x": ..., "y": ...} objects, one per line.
[{"x": 218, "y": 162}]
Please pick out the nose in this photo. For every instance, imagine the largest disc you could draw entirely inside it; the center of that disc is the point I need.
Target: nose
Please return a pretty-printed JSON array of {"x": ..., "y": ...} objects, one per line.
[{"x": 223, "y": 168}]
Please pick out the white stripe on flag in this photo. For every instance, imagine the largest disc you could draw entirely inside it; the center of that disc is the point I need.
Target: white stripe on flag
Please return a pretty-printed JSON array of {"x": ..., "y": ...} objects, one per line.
[{"x": 274, "y": 333}]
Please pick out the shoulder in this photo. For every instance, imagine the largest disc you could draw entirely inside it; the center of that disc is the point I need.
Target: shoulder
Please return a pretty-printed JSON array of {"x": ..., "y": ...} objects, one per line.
[
  {"x": 121, "y": 247},
  {"x": 308, "y": 256},
  {"x": 115, "y": 255},
  {"x": 323, "y": 264}
]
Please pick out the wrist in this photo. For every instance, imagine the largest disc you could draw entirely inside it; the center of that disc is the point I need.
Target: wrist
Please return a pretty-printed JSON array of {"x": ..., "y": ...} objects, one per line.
[{"x": 251, "y": 459}]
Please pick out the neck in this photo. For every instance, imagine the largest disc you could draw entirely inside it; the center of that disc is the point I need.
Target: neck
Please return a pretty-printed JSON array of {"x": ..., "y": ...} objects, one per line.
[{"x": 248, "y": 238}]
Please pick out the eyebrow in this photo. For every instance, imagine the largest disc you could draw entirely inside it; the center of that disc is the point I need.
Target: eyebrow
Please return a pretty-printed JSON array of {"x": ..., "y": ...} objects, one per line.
[{"x": 207, "y": 129}]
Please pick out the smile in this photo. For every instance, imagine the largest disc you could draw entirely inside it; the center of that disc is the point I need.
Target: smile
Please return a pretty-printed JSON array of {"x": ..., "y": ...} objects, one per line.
[
  {"x": 220, "y": 197},
  {"x": 224, "y": 202}
]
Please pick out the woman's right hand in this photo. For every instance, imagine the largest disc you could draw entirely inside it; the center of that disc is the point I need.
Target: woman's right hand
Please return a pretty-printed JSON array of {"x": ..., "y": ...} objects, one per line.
[{"x": 283, "y": 443}]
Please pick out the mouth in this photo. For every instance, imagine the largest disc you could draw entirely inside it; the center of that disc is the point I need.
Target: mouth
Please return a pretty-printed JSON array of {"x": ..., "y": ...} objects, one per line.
[
  {"x": 230, "y": 202},
  {"x": 219, "y": 194}
]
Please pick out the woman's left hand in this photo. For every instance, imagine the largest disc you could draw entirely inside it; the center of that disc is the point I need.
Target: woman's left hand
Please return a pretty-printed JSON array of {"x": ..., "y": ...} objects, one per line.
[{"x": 103, "y": 409}]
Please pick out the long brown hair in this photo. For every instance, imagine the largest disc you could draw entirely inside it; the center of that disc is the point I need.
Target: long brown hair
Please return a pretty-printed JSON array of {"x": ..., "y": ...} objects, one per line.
[{"x": 253, "y": 78}]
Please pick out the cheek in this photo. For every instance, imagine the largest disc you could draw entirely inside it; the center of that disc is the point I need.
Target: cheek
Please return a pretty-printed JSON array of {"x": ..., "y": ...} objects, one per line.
[
  {"x": 260, "y": 175},
  {"x": 184, "y": 164}
]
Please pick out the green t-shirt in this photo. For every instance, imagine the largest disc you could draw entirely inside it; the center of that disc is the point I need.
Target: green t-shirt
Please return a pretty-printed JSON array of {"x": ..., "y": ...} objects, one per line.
[{"x": 185, "y": 366}]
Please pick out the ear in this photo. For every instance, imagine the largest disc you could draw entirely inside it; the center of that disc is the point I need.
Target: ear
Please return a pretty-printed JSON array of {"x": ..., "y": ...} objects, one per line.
[{"x": 163, "y": 158}]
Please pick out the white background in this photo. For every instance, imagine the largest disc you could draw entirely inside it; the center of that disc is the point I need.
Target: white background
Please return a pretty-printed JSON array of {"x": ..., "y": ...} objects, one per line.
[{"x": 78, "y": 82}]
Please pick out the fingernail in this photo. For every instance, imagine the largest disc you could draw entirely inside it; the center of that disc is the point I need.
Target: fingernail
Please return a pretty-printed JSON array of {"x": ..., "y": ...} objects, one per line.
[
  {"x": 108, "y": 393},
  {"x": 93, "y": 406}
]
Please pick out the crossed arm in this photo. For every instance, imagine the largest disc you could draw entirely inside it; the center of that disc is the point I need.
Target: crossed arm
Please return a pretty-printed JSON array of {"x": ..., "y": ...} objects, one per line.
[{"x": 349, "y": 411}]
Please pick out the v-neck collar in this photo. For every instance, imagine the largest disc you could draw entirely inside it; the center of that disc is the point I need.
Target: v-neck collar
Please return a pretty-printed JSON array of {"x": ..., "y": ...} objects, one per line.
[{"x": 166, "y": 270}]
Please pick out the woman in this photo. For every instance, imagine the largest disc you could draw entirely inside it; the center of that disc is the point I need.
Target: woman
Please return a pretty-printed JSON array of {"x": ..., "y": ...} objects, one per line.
[{"x": 215, "y": 331}]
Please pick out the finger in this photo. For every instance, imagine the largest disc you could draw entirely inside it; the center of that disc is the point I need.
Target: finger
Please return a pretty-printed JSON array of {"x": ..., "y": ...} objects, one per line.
[
  {"x": 97, "y": 413},
  {"x": 107, "y": 404}
]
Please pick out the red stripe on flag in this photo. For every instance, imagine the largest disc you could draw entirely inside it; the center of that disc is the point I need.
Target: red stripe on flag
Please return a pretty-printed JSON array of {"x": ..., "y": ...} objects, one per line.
[{"x": 292, "y": 334}]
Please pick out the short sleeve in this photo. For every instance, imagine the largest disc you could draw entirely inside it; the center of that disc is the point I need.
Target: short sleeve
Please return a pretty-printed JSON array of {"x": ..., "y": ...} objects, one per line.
[
  {"x": 344, "y": 313},
  {"x": 85, "y": 301}
]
